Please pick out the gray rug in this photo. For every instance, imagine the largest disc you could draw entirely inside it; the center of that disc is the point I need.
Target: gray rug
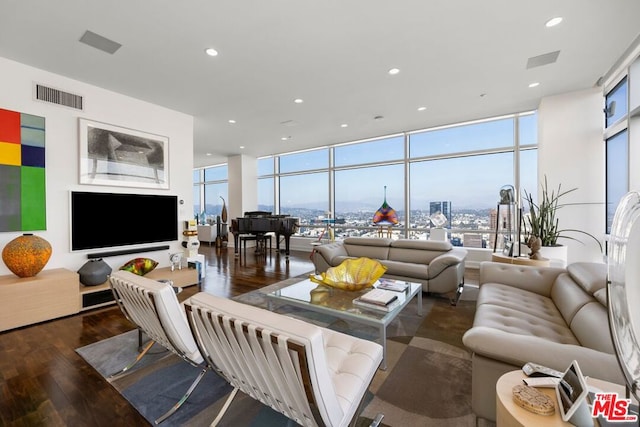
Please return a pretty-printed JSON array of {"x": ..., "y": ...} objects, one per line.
[{"x": 427, "y": 382}]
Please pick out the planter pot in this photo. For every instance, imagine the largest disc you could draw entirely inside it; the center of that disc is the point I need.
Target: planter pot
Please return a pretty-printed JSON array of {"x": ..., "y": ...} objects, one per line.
[
  {"x": 557, "y": 255},
  {"x": 94, "y": 272},
  {"x": 26, "y": 255}
]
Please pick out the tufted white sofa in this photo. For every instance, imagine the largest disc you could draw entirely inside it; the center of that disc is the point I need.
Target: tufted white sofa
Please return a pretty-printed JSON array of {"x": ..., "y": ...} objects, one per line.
[
  {"x": 545, "y": 315},
  {"x": 437, "y": 265}
]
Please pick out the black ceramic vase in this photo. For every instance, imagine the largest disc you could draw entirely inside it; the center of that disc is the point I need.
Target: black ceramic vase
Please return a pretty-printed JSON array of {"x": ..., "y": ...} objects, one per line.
[{"x": 94, "y": 272}]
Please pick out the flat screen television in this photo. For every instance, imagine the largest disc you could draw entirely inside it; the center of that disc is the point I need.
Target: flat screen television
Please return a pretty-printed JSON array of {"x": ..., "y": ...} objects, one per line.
[{"x": 102, "y": 220}]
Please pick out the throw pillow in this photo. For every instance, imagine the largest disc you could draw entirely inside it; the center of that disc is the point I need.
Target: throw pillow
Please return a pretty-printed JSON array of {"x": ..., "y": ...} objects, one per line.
[{"x": 140, "y": 266}]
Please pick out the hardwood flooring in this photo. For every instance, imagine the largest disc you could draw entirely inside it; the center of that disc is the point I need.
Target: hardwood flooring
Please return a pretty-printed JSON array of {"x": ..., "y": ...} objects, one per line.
[{"x": 44, "y": 382}]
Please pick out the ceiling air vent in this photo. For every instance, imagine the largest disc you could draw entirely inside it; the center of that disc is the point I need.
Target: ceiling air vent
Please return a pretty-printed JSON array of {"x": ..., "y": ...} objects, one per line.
[{"x": 56, "y": 96}]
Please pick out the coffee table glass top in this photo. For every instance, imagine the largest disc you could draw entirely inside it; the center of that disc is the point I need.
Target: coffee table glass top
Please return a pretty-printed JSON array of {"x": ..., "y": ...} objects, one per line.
[{"x": 323, "y": 298}]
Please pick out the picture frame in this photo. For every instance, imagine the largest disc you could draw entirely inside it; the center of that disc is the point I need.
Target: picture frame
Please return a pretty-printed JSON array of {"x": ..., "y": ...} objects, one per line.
[
  {"x": 508, "y": 249},
  {"x": 118, "y": 156}
]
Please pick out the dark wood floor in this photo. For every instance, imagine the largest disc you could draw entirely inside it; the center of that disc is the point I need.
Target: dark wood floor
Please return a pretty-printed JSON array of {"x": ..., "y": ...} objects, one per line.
[{"x": 44, "y": 382}]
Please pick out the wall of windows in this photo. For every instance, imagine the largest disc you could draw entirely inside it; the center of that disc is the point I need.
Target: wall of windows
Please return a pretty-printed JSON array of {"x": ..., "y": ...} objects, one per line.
[
  {"x": 621, "y": 136},
  {"x": 210, "y": 186},
  {"x": 462, "y": 166}
]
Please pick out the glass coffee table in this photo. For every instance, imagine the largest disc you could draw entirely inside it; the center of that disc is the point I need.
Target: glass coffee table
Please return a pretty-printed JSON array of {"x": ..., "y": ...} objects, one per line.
[{"x": 338, "y": 303}]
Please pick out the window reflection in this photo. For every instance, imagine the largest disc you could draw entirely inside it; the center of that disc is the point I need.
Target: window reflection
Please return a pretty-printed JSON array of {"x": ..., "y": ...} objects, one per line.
[
  {"x": 457, "y": 139},
  {"x": 616, "y": 103},
  {"x": 617, "y": 173},
  {"x": 381, "y": 150}
]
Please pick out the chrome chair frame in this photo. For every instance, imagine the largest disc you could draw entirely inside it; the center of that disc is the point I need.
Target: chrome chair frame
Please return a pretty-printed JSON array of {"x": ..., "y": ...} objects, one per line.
[{"x": 154, "y": 308}]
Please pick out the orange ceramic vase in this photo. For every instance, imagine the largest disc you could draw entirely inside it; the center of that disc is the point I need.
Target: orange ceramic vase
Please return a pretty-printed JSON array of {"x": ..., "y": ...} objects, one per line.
[{"x": 26, "y": 255}]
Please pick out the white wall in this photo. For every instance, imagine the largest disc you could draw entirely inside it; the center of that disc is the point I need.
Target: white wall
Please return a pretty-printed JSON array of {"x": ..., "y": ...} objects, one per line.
[
  {"x": 571, "y": 153},
  {"x": 62, "y": 151}
]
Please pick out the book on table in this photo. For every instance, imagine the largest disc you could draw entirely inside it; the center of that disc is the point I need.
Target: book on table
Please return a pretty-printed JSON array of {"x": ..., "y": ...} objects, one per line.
[
  {"x": 386, "y": 308},
  {"x": 392, "y": 285},
  {"x": 380, "y": 299}
]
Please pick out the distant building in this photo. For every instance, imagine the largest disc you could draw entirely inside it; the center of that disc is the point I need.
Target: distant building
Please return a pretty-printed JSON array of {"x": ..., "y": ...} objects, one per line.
[
  {"x": 473, "y": 240},
  {"x": 444, "y": 208}
]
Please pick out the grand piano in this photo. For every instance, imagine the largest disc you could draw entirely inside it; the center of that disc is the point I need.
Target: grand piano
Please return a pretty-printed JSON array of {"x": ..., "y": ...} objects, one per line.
[{"x": 258, "y": 223}]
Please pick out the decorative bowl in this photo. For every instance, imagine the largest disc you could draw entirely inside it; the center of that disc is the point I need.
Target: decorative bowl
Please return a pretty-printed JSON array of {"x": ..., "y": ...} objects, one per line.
[{"x": 351, "y": 274}]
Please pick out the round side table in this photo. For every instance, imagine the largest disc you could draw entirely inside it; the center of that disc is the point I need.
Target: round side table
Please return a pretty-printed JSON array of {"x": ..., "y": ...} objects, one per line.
[{"x": 509, "y": 414}]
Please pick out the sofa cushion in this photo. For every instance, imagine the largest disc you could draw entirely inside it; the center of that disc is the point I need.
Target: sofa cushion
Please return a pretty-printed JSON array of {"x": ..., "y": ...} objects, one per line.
[
  {"x": 368, "y": 241},
  {"x": 527, "y": 302},
  {"x": 601, "y": 296},
  {"x": 406, "y": 269},
  {"x": 427, "y": 245},
  {"x": 374, "y": 248},
  {"x": 590, "y": 276},
  {"x": 416, "y": 256},
  {"x": 330, "y": 251},
  {"x": 518, "y": 322},
  {"x": 568, "y": 296},
  {"x": 589, "y": 325}
]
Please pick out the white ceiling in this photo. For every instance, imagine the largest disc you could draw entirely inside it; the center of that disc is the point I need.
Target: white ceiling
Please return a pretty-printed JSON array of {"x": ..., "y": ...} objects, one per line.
[{"x": 334, "y": 54}]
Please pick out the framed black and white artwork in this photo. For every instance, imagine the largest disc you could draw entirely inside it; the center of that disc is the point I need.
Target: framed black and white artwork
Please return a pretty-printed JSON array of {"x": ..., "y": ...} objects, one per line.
[{"x": 118, "y": 156}]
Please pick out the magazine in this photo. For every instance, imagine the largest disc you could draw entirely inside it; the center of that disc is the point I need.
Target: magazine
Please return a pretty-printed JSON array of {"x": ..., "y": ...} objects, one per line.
[
  {"x": 392, "y": 285},
  {"x": 386, "y": 308},
  {"x": 379, "y": 296}
]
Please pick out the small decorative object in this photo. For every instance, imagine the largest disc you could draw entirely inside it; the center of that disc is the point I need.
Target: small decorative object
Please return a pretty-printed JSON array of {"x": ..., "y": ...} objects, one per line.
[
  {"x": 191, "y": 233},
  {"x": 533, "y": 400},
  {"x": 140, "y": 266},
  {"x": 534, "y": 243},
  {"x": 94, "y": 272},
  {"x": 224, "y": 211},
  {"x": 385, "y": 215},
  {"x": 438, "y": 219},
  {"x": 26, "y": 255},
  {"x": 351, "y": 274},
  {"x": 176, "y": 261}
]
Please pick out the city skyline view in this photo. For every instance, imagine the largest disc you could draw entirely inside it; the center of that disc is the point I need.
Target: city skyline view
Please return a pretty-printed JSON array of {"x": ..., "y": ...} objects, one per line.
[{"x": 466, "y": 165}]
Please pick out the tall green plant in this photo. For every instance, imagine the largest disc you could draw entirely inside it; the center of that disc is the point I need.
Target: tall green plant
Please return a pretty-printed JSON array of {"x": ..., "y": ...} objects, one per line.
[{"x": 542, "y": 222}]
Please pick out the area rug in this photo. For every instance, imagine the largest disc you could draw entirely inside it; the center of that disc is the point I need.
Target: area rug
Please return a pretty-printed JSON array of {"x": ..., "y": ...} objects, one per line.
[{"x": 427, "y": 381}]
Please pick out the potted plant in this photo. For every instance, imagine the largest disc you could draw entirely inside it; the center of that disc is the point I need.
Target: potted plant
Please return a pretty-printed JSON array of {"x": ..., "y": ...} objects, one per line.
[{"x": 541, "y": 221}]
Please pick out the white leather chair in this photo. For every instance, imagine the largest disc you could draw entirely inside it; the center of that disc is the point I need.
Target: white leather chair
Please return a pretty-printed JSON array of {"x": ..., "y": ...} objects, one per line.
[
  {"x": 154, "y": 308},
  {"x": 312, "y": 375}
]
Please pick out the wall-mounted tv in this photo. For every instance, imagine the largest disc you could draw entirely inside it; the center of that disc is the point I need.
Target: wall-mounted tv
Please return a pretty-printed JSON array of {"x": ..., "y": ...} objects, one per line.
[{"x": 102, "y": 220}]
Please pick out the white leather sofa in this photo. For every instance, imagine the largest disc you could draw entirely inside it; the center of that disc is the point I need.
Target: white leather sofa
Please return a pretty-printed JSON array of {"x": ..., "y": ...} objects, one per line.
[
  {"x": 437, "y": 265},
  {"x": 545, "y": 315}
]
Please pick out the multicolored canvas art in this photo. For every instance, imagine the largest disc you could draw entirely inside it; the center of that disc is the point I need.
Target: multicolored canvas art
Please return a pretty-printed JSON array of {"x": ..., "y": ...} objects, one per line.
[{"x": 22, "y": 172}]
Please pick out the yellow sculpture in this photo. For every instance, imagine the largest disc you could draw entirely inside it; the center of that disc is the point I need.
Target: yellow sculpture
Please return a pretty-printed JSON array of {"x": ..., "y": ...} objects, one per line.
[{"x": 352, "y": 274}]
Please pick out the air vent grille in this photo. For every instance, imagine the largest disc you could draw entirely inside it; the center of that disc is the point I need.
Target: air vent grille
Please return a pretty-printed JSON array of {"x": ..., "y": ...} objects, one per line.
[{"x": 56, "y": 96}]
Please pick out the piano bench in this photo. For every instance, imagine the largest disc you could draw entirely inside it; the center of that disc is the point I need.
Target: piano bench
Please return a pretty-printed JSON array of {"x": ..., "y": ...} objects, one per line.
[{"x": 261, "y": 243}]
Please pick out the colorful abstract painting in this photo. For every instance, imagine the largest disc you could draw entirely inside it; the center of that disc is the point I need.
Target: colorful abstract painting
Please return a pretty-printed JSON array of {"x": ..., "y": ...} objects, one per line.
[{"x": 22, "y": 172}]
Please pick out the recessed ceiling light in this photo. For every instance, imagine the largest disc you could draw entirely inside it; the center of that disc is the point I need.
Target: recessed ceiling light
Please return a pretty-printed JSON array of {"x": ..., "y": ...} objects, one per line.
[
  {"x": 422, "y": 108},
  {"x": 285, "y": 138},
  {"x": 298, "y": 101},
  {"x": 242, "y": 147},
  {"x": 233, "y": 122},
  {"x": 394, "y": 71},
  {"x": 208, "y": 154},
  {"x": 534, "y": 84},
  {"x": 344, "y": 125},
  {"x": 553, "y": 22},
  {"x": 211, "y": 52}
]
